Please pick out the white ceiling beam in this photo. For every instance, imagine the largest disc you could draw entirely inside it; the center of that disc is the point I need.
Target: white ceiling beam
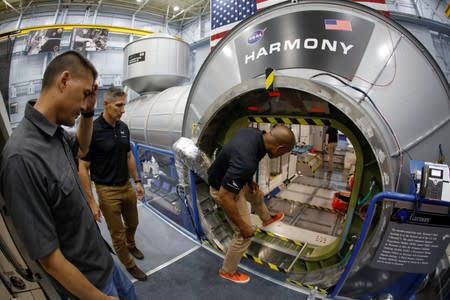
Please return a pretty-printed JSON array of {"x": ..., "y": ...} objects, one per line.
[
  {"x": 184, "y": 11},
  {"x": 10, "y": 6}
]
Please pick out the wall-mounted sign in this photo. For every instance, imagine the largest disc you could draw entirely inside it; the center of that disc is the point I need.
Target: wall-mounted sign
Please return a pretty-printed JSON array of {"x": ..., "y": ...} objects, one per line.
[
  {"x": 136, "y": 57},
  {"x": 414, "y": 246}
]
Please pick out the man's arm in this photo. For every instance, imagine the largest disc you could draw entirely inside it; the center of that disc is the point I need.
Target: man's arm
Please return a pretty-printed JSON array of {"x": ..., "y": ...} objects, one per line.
[
  {"x": 70, "y": 277},
  {"x": 85, "y": 179},
  {"x": 84, "y": 131},
  {"x": 84, "y": 135},
  {"x": 228, "y": 204},
  {"x": 134, "y": 174}
]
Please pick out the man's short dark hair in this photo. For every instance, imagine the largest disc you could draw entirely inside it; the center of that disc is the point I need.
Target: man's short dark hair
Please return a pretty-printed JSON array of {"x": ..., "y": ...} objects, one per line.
[
  {"x": 71, "y": 61},
  {"x": 113, "y": 92}
]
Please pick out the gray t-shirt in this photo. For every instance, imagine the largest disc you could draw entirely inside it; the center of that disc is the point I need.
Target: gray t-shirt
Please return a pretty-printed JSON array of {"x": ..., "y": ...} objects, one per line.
[{"x": 43, "y": 194}]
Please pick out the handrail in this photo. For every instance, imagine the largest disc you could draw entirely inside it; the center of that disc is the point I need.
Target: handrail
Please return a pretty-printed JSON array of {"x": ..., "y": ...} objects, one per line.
[
  {"x": 366, "y": 225},
  {"x": 166, "y": 152},
  {"x": 195, "y": 214}
]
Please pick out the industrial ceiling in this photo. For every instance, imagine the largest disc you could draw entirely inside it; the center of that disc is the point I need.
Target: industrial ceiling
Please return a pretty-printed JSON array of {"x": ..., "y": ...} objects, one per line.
[{"x": 179, "y": 11}]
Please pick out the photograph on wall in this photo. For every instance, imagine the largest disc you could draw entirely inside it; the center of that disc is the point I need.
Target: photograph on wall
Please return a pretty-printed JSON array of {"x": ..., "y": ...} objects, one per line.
[
  {"x": 89, "y": 39},
  {"x": 45, "y": 40}
]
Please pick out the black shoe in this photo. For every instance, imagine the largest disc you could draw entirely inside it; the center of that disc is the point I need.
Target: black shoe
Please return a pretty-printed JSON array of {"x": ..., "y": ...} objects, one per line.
[
  {"x": 136, "y": 253},
  {"x": 137, "y": 273}
]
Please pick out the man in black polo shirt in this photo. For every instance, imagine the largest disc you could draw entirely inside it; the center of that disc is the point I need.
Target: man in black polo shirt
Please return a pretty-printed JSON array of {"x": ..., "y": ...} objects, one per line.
[
  {"x": 109, "y": 164},
  {"x": 331, "y": 139},
  {"x": 39, "y": 182},
  {"x": 232, "y": 186}
]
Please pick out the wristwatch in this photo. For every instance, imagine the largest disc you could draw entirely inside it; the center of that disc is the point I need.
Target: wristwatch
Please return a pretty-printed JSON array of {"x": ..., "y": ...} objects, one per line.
[
  {"x": 138, "y": 181},
  {"x": 87, "y": 114}
]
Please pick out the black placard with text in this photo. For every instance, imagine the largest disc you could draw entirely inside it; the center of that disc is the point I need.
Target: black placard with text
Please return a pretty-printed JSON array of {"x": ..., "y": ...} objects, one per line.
[
  {"x": 329, "y": 41},
  {"x": 414, "y": 246}
]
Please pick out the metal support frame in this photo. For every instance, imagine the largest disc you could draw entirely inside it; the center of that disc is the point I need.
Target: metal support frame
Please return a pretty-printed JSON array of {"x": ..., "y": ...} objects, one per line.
[
  {"x": 365, "y": 228},
  {"x": 193, "y": 191}
]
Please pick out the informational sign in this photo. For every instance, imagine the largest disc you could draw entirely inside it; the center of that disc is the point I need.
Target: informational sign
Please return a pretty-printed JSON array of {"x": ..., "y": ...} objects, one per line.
[
  {"x": 414, "y": 246},
  {"x": 329, "y": 41},
  {"x": 136, "y": 57}
]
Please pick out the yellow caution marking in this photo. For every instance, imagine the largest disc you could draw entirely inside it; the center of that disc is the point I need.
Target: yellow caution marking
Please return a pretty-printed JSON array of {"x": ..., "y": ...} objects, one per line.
[
  {"x": 269, "y": 80},
  {"x": 289, "y": 120},
  {"x": 322, "y": 291}
]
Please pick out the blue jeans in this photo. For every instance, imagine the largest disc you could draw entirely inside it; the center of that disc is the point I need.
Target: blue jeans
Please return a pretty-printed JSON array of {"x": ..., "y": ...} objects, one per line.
[{"x": 119, "y": 286}]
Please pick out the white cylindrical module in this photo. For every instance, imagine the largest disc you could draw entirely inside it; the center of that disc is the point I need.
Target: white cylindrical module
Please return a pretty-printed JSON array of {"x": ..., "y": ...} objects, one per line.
[
  {"x": 156, "y": 119},
  {"x": 156, "y": 62}
]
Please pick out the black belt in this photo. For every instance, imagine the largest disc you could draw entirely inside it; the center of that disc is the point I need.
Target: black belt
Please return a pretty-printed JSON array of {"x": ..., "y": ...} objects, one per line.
[{"x": 122, "y": 183}]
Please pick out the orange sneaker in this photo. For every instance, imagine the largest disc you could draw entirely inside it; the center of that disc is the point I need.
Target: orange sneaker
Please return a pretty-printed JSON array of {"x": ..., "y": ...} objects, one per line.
[
  {"x": 276, "y": 217},
  {"x": 236, "y": 277}
]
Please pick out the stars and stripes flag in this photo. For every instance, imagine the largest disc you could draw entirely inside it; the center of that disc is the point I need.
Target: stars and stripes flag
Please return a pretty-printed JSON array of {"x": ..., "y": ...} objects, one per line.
[{"x": 225, "y": 14}]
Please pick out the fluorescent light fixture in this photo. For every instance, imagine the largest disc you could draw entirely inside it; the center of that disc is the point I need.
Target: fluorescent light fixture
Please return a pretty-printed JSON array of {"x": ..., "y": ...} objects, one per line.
[{"x": 176, "y": 8}]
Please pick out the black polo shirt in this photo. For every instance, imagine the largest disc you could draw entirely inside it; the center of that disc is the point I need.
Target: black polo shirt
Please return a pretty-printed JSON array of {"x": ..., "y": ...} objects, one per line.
[
  {"x": 43, "y": 194},
  {"x": 332, "y": 135},
  {"x": 238, "y": 160},
  {"x": 108, "y": 152}
]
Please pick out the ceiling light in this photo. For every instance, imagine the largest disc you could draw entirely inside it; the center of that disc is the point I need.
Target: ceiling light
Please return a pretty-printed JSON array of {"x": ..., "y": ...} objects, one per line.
[
  {"x": 138, "y": 1},
  {"x": 176, "y": 8}
]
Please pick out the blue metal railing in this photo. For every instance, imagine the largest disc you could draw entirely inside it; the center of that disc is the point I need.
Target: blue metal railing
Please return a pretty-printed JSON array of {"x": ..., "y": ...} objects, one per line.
[
  {"x": 365, "y": 228},
  {"x": 173, "y": 174}
]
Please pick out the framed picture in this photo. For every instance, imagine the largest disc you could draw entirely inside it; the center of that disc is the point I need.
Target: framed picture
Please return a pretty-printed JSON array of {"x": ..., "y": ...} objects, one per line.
[
  {"x": 45, "y": 40},
  {"x": 89, "y": 39}
]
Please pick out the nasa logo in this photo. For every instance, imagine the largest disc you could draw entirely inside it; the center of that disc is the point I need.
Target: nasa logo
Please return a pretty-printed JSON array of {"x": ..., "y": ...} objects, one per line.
[{"x": 255, "y": 36}]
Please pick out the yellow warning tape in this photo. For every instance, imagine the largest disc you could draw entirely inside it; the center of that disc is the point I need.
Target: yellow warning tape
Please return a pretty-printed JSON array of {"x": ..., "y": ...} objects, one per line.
[
  {"x": 256, "y": 259},
  {"x": 261, "y": 262},
  {"x": 289, "y": 120},
  {"x": 251, "y": 257},
  {"x": 309, "y": 286},
  {"x": 275, "y": 235},
  {"x": 269, "y": 80}
]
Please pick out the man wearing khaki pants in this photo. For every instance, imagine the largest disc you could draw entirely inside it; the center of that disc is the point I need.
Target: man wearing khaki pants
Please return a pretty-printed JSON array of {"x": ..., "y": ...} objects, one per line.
[
  {"x": 231, "y": 186},
  {"x": 110, "y": 163}
]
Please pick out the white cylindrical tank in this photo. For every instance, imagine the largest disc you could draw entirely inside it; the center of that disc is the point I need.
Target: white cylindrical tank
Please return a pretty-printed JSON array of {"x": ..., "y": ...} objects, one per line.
[
  {"x": 156, "y": 119},
  {"x": 156, "y": 62}
]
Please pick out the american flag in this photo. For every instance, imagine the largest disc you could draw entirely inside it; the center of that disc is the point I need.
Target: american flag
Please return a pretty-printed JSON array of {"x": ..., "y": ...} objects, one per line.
[
  {"x": 225, "y": 14},
  {"x": 334, "y": 24}
]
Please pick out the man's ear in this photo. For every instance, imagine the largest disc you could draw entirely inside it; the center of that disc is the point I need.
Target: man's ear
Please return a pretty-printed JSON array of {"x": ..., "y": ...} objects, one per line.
[{"x": 62, "y": 80}]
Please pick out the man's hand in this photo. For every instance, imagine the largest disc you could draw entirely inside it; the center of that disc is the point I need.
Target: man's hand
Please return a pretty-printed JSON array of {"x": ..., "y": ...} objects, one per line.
[
  {"x": 247, "y": 231},
  {"x": 92, "y": 98},
  {"x": 140, "y": 191},
  {"x": 112, "y": 298},
  {"x": 254, "y": 187},
  {"x": 95, "y": 211}
]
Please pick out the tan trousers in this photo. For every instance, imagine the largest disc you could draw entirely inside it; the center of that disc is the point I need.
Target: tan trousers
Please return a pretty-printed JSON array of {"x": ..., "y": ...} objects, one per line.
[
  {"x": 117, "y": 203},
  {"x": 331, "y": 150},
  {"x": 239, "y": 244}
]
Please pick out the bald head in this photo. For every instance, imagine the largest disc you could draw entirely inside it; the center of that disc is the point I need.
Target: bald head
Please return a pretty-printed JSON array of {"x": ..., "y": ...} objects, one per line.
[
  {"x": 279, "y": 141},
  {"x": 284, "y": 136}
]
